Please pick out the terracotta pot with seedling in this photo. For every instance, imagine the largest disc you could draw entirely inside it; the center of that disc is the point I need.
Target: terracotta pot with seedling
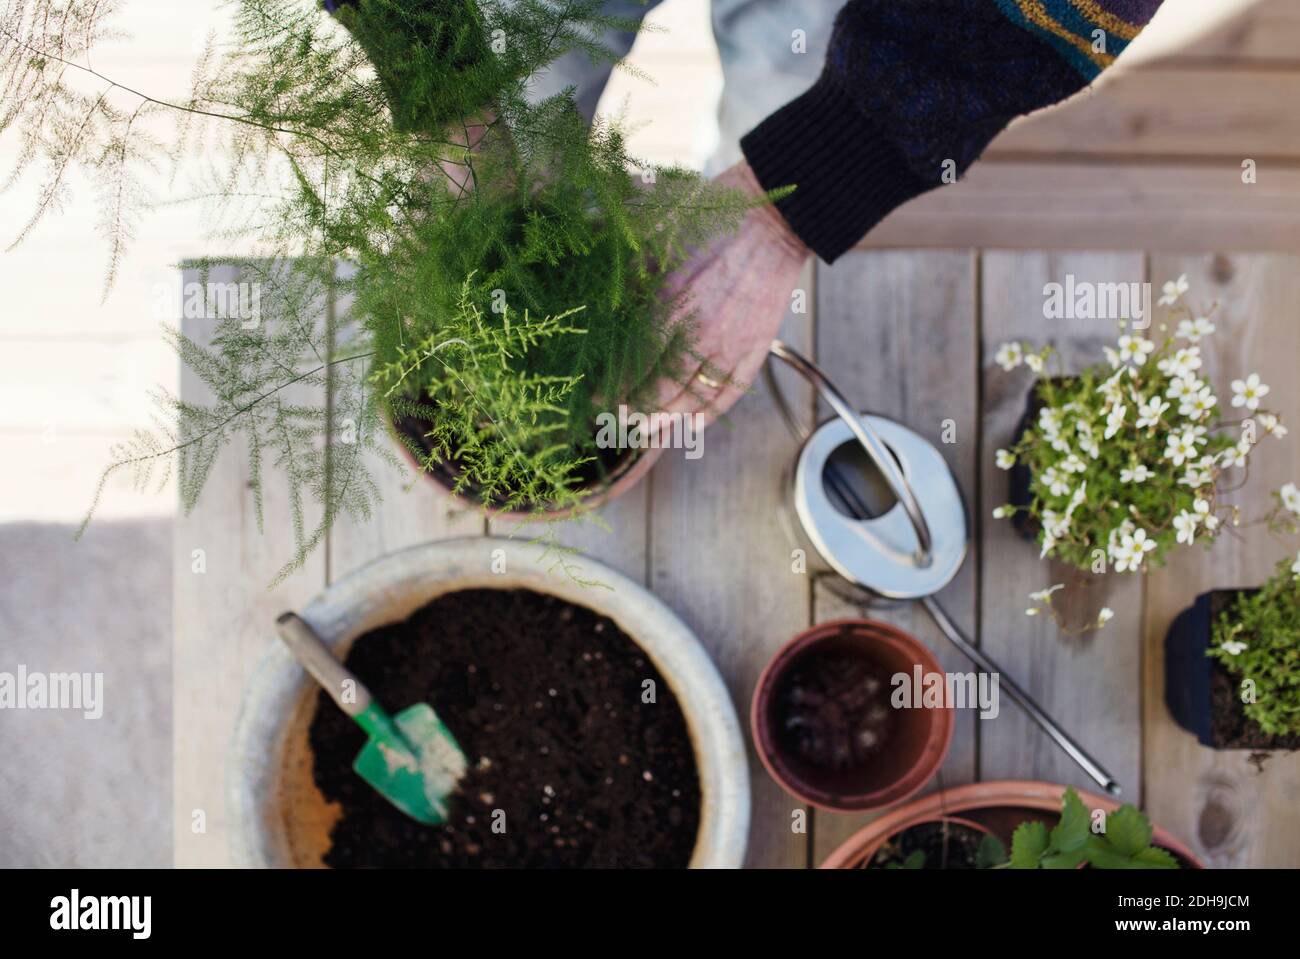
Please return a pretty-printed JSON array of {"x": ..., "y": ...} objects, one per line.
[
  {"x": 825, "y": 724},
  {"x": 1012, "y": 825},
  {"x": 1115, "y": 466},
  {"x": 949, "y": 842},
  {"x": 1232, "y": 663}
]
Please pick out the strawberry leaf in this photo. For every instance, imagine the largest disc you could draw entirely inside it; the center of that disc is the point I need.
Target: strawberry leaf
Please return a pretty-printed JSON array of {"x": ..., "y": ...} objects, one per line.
[
  {"x": 1128, "y": 831},
  {"x": 1028, "y": 843},
  {"x": 1073, "y": 831}
]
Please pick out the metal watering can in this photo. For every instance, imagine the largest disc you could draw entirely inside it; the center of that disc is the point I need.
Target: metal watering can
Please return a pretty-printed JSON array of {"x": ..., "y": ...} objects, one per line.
[{"x": 907, "y": 551}]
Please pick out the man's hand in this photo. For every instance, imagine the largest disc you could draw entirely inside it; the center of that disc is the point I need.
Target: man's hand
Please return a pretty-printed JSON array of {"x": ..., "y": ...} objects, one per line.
[{"x": 738, "y": 289}]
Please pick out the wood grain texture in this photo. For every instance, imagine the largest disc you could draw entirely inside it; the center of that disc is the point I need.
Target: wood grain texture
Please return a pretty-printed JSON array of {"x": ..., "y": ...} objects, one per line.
[
  {"x": 1169, "y": 111},
  {"x": 1063, "y": 203},
  {"x": 1264, "y": 34},
  {"x": 1089, "y": 684},
  {"x": 1229, "y": 811},
  {"x": 224, "y": 617},
  {"x": 897, "y": 334},
  {"x": 721, "y": 559},
  {"x": 615, "y": 533}
]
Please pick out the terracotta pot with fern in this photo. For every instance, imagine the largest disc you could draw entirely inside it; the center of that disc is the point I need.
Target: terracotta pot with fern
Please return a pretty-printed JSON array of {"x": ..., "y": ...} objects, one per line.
[{"x": 508, "y": 264}]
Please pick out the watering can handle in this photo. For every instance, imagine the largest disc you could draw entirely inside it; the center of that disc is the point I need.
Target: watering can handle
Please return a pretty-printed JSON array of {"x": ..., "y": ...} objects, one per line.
[
  {"x": 315, "y": 657},
  {"x": 862, "y": 431}
]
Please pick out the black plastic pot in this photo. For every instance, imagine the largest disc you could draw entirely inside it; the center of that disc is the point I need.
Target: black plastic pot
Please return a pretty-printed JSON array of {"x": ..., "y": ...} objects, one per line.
[
  {"x": 1020, "y": 479},
  {"x": 1188, "y": 668},
  {"x": 1194, "y": 681}
]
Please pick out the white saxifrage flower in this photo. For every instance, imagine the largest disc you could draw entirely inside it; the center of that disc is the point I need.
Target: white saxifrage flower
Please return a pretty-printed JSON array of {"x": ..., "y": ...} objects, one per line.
[
  {"x": 1233, "y": 647},
  {"x": 1009, "y": 356},
  {"x": 1005, "y": 459},
  {"x": 1115, "y": 421},
  {"x": 1149, "y": 413},
  {"x": 1194, "y": 330},
  {"x": 1135, "y": 474},
  {"x": 1185, "y": 525},
  {"x": 1181, "y": 386},
  {"x": 1173, "y": 291},
  {"x": 1112, "y": 389},
  {"x": 1205, "y": 514},
  {"x": 1105, "y": 615},
  {"x": 1271, "y": 425},
  {"x": 1234, "y": 457},
  {"x": 1043, "y": 595},
  {"x": 1290, "y": 496},
  {"x": 1135, "y": 349},
  {"x": 1248, "y": 392},
  {"x": 1181, "y": 447},
  {"x": 1198, "y": 405},
  {"x": 1132, "y": 550},
  {"x": 1184, "y": 363},
  {"x": 1054, "y": 482}
]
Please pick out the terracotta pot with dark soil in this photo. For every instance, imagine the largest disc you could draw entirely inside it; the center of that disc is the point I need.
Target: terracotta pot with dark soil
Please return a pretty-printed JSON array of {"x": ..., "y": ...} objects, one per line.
[
  {"x": 996, "y": 806},
  {"x": 1201, "y": 694},
  {"x": 823, "y": 722},
  {"x": 597, "y": 730},
  {"x": 944, "y": 843}
]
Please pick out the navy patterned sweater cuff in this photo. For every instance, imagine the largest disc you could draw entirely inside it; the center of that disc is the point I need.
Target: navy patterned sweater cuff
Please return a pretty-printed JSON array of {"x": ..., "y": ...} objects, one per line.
[{"x": 848, "y": 175}]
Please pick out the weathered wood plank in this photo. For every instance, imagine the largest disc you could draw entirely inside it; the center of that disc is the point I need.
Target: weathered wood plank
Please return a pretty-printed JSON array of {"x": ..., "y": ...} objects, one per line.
[
  {"x": 896, "y": 331},
  {"x": 1267, "y": 32},
  {"x": 615, "y": 534},
  {"x": 1089, "y": 684},
  {"x": 1168, "y": 112},
  {"x": 1229, "y": 811},
  {"x": 1072, "y": 205},
  {"x": 224, "y": 616},
  {"x": 720, "y": 558}
]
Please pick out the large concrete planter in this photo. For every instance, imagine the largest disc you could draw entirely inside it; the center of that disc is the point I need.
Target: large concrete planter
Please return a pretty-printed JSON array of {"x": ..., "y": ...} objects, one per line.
[{"x": 281, "y": 820}]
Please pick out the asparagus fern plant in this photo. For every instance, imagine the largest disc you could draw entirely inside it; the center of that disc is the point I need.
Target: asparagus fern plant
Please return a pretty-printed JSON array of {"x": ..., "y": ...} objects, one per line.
[{"x": 509, "y": 262}]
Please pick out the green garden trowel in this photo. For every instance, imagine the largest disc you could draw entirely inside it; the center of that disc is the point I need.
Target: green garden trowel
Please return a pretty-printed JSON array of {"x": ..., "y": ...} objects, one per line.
[{"x": 411, "y": 759}]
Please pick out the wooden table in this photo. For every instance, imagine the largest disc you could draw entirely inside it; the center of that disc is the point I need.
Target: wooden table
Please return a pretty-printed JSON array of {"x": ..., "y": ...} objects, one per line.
[{"x": 910, "y": 334}]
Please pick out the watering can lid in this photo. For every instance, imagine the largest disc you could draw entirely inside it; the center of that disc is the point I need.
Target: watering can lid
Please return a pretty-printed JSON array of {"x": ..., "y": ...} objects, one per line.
[
  {"x": 880, "y": 553},
  {"x": 913, "y": 549}
]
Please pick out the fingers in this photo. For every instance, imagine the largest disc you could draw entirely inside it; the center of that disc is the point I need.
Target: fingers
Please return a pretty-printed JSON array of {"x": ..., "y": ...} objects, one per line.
[{"x": 467, "y": 141}]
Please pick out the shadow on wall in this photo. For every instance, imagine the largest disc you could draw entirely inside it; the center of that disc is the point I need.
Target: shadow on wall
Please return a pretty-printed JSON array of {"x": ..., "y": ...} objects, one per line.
[{"x": 80, "y": 791}]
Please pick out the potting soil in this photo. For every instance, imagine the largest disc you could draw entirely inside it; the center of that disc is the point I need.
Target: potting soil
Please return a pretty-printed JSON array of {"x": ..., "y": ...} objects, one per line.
[{"x": 579, "y": 753}]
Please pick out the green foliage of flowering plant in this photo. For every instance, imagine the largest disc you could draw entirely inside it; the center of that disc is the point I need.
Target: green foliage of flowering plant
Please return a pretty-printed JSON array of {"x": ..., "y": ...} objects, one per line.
[
  {"x": 1257, "y": 638},
  {"x": 1125, "y": 842},
  {"x": 1128, "y": 458}
]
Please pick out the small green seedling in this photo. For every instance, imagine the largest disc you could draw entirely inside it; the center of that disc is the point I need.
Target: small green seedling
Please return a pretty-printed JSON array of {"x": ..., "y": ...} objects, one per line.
[{"x": 1125, "y": 844}]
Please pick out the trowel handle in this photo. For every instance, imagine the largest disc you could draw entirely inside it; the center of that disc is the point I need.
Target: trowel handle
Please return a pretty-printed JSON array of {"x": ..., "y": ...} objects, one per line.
[{"x": 311, "y": 652}]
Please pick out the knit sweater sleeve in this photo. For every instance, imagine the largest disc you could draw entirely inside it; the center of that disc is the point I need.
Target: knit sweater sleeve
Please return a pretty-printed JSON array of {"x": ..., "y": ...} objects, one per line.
[{"x": 912, "y": 92}]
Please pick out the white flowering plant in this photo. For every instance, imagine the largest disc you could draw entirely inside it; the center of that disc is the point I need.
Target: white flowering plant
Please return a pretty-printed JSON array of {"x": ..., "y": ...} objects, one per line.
[{"x": 1128, "y": 458}]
